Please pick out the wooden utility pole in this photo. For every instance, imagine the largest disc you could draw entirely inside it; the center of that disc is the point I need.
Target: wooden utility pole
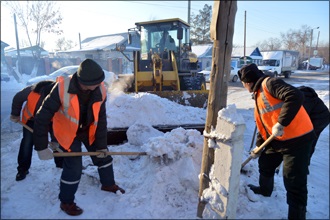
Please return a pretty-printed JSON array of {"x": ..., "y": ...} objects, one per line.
[
  {"x": 222, "y": 31},
  {"x": 189, "y": 3},
  {"x": 79, "y": 42},
  {"x": 17, "y": 46},
  {"x": 245, "y": 38}
]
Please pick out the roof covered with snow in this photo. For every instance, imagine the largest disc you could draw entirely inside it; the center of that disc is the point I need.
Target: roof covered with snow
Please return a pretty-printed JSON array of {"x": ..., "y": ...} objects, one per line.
[
  {"x": 204, "y": 50},
  {"x": 105, "y": 42},
  {"x": 252, "y": 52}
]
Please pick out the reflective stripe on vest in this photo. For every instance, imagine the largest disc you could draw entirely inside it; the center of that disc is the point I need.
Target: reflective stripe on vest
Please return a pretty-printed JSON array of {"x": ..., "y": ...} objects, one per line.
[
  {"x": 269, "y": 111},
  {"x": 66, "y": 120},
  {"x": 30, "y": 106}
]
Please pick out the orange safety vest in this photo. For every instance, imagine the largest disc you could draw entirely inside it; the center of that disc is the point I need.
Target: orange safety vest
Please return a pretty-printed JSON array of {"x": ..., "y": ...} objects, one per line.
[
  {"x": 30, "y": 106},
  {"x": 66, "y": 120},
  {"x": 267, "y": 111}
]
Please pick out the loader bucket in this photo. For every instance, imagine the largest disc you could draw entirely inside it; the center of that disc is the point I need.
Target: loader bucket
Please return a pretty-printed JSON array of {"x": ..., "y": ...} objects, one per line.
[
  {"x": 116, "y": 136},
  {"x": 194, "y": 98}
]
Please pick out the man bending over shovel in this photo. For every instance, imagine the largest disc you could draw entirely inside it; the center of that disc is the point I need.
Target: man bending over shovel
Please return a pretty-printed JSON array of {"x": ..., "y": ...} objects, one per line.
[
  {"x": 32, "y": 96},
  {"x": 77, "y": 105},
  {"x": 279, "y": 112}
]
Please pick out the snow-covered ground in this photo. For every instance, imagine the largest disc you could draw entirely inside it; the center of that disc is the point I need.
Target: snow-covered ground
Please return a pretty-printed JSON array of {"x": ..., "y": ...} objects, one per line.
[{"x": 155, "y": 188}]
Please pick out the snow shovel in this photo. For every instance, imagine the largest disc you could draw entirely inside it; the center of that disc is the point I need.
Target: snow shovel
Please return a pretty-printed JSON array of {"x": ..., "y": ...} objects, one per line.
[
  {"x": 254, "y": 135},
  {"x": 256, "y": 151},
  {"x": 60, "y": 153},
  {"x": 74, "y": 154},
  {"x": 26, "y": 126}
]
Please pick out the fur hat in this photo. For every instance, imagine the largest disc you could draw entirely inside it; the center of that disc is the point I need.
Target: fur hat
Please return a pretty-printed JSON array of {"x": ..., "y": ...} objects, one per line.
[
  {"x": 250, "y": 73},
  {"x": 90, "y": 73}
]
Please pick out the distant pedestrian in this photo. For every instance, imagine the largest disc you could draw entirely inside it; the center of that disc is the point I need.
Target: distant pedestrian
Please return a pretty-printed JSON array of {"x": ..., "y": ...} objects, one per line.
[
  {"x": 77, "y": 105},
  {"x": 279, "y": 112},
  {"x": 32, "y": 96}
]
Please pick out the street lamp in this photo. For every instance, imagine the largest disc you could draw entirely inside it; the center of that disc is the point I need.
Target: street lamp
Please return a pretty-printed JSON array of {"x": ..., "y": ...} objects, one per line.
[{"x": 310, "y": 47}]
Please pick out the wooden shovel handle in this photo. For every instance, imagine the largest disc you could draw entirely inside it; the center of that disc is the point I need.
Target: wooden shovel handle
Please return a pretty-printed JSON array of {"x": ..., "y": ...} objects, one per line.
[
  {"x": 256, "y": 151},
  {"x": 26, "y": 126},
  {"x": 74, "y": 154}
]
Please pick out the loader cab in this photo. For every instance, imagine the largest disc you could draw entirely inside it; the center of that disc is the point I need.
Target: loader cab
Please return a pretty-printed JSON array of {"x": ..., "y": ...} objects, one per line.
[{"x": 162, "y": 36}]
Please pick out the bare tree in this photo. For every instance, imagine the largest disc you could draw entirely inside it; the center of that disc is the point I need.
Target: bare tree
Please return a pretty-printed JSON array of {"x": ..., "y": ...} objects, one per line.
[
  {"x": 37, "y": 17},
  {"x": 62, "y": 44},
  {"x": 269, "y": 44},
  {"x": 302, "y": 37},
  {"x": 297, "y": 39}
]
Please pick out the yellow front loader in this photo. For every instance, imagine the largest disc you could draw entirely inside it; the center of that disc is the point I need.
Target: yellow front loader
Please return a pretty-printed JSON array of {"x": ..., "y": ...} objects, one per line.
[{"x": 165, "y": 65}]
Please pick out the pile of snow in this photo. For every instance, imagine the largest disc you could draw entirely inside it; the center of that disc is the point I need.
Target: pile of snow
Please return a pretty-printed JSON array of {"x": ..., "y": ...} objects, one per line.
[{"x": 124, "y": 110}]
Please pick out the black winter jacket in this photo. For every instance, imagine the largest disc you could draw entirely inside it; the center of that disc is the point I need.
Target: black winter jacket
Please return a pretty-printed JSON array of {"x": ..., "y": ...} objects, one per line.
[
  {"x": 316, "y": 109},
  {"x": 293, "y": 99},
  {"x": 43, "y": 88},
  {"x": 52, "y": 104}
]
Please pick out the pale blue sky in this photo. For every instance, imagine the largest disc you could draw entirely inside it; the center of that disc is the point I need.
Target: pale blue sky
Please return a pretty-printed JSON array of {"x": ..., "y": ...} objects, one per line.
[{"x": 264, "y": 19}]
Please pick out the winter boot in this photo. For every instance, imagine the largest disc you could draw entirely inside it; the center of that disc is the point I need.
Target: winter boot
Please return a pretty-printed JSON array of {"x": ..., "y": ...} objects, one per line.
[
  {"x": 265, "y": 188},
  {"x": 297, "y": 212},
  {"x": 21, "y": 175},
  {"x": 114, "y": 188},
  {"x": 71, "y": 208}
]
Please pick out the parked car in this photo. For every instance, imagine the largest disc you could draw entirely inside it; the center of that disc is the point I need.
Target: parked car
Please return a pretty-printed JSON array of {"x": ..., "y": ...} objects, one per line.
[
  {"x": 207, "y": 71},
  {"x": 233, "y": 74},
  {"x": 110, "y": 77},
  {"x": 5, "y": 77}
]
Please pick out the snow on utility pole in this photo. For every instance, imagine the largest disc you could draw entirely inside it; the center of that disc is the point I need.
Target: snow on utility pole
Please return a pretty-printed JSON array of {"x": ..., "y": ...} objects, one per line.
[{"x": 222, "y": 31}]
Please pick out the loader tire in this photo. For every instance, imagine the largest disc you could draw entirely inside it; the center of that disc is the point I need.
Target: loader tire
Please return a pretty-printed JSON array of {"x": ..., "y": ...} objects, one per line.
[
  {"x": 199, "y": 83},
  {"x": 186, "y": 83}
]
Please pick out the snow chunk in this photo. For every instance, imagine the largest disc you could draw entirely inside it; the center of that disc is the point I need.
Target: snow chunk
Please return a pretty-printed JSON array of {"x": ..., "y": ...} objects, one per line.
[
  {"x": 138, "y": 133},
  {"x": 230, "y": 114},
  {"x": 173, "y": 144}
]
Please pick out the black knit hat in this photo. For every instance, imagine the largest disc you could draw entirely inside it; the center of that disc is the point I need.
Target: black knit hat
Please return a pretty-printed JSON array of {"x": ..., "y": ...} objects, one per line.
[
  {"x": 250, "y": 73},
  {"x": 90, "y": 73}
]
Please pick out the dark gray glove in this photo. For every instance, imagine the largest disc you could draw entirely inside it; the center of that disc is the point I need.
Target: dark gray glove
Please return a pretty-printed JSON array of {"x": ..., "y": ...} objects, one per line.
[
  {"x": 14, "y": 118},
  {"x": 103, "y": 153},
  {"x": 45, "y": 154},
  {"x": 54, "y": 146}
]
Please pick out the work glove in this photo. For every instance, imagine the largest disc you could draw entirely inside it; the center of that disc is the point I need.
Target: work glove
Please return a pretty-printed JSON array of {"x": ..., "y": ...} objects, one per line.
[
  {"x": 278, "y": 130},
  {"x": 14, "y": 118},
  {"x": 45, "y": 154},
  {"x": 103, "y": 153},
  {"x": 54, "y": 146},
  {"x": 253, "y": 154}
]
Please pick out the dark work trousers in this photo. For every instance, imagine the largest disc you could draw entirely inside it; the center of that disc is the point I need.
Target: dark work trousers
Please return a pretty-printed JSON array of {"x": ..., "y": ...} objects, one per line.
[
  {"x": 72, "y": 170},
  {"x": 25, "y": 150},
  {"x": 295, "y": 171}
]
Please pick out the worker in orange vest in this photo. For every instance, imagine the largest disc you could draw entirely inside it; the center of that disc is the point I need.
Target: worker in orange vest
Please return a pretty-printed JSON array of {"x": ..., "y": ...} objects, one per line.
[
  {"x": 279, "y": 112},
  {"x": 77, "y": 105},
  {"x": 32, "y": 96}
]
